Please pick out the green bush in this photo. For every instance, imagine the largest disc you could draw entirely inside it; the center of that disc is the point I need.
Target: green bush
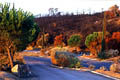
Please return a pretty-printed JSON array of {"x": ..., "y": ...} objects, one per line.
[
  {"x": 66, "y": 59},
  {"x": 92, "y": 37},
  {"x": 74, "y": 40},
  {"x": 77, "y": 65},
  {"x": 63, "y": 59},
  {"x": 71, "y": 66},
  {"x": 74, "y": 63}
]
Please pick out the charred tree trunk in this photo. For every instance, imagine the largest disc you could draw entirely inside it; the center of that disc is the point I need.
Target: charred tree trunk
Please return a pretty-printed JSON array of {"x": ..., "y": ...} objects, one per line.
[
  {"x": 10, "y": 57},
  {"x": 43, "y": 36}
]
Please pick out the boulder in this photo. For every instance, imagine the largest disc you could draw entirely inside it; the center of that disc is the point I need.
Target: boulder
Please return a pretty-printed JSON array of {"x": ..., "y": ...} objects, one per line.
[
  {"x": 61, "y": 58},
  {"x": 21, "y": 70},
  {"x": 115, "y": 67},
  {"x": 15, "y": 69},
  {"x": 24, "y": 71},
  {"x": 113, "y": 53}
]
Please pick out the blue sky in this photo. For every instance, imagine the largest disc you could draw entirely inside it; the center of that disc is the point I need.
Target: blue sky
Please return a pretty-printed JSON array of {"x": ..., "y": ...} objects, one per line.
[{"x": 42, "y": 6}]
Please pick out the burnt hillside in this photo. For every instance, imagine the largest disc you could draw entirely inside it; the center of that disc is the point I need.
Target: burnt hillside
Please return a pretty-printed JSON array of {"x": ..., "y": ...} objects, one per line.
[{"x": 72, "y": 24}]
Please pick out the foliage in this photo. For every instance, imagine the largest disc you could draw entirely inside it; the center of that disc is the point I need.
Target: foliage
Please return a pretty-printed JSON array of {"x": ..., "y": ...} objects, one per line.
[
  {"x": 93, "y": 42},
  {"x": 116, "y": 35},
  {"x": 78, "y": 65},
  {"x": 74, "y": 40},
  {"x": 113, "y": 40},
  {"x": 66, "y": 59},
  {"x": 113, "y": 11},
  {"x": 58, "y": 41},
  {"x": 17, "y": 29},
  {"x": 19, "y": 25},
  {"x": 63, "y": 60},
  {"x": 74, "y": 63}
]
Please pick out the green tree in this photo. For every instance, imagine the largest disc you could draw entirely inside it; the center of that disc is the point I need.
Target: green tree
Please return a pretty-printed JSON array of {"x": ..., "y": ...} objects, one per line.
[
  {"x": 93, "y": 42},
  {"x": 18, "y": 27},
  {"x": 74, "y": 40}
]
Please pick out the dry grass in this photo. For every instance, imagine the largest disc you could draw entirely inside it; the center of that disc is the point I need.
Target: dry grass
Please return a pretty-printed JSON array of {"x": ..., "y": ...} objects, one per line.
[
  {"x": 90, "y": 57},
  {"x": 114, "y": 58},
  {"x": 95, "y": 58},
  {"x": 110, "y": 73},
  {"x": 60, "y": 49},
  {"x": 21, "y": 54}
]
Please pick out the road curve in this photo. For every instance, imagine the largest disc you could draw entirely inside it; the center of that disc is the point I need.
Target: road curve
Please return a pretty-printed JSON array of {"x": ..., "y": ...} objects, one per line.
[{"x": 42, "y": 70}]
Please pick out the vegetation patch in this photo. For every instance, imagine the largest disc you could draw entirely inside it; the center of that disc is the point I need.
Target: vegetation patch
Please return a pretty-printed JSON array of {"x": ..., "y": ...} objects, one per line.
[{"x": 65, "y": 59}]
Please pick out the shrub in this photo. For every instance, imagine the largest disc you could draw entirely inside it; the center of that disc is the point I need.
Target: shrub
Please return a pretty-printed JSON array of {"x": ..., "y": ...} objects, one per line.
[
  {"x": 74, "y": 63},
  {"x": 115, "y": 44},
  {"x": 71, "y": 66},
  {"x": 59, "y": 56},
  {"x": 114, "y": 41},
  {"x": 62, "y": 60},
  {"x": 77, "y": 65},
  {"x": 65, "y": 59},
  {"x": 58, "y": 41},
  {"x": 93, "y": 42},
  {"x": 74, "y": 40},
  {"x": 116, "y": 35}
]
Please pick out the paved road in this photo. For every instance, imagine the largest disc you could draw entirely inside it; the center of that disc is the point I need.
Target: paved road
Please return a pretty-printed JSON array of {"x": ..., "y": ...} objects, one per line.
[
  {"x": 97, "y": 64},
  {"x": 42, "y": 70}
]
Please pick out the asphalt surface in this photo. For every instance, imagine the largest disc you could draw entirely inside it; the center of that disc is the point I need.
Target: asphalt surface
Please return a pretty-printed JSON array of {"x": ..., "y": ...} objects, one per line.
[
  {"x": 42, "y": 70},
  {"x": 97, "y": 64}
]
